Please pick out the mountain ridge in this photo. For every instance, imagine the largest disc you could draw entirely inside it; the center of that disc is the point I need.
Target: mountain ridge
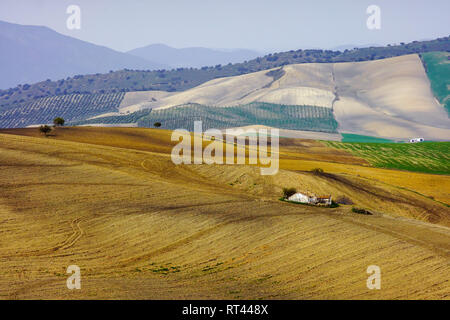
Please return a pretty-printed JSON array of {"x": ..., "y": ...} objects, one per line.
[
  {"x": 195, "y": 57},
  {"x": 35, "y": 53}
]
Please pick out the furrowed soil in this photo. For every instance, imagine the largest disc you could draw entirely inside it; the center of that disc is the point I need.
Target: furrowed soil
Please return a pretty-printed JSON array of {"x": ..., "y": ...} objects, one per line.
[{"x": 111, "y": 201}]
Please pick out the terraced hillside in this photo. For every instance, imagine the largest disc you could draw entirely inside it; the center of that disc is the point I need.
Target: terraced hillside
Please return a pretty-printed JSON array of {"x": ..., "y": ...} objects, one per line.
[
  {"x": 141, "y": 227},
  {"x": 348, "y": 137},
  {"x": 71, "y": 107}
]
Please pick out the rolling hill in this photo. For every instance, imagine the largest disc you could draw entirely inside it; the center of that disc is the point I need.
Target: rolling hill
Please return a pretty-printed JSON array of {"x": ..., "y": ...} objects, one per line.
[
  {"x": 389, "y": 98},
  {"x": 181, "y": 79},
  {"x": 111, "y": 201},
  {"x": 31, "y": 53},
  {"x": 386, "y": 98}
]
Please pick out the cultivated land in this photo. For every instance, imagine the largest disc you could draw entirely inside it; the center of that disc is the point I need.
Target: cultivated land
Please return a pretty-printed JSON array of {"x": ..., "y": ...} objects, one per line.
[
  {"x": 73, "y": 107},
  {"x": 429, "y": 157},
  {"x": 310, "y": 118},
  {"x": 181, "y": 79},
  {"x": 389, "y": 98},
  {"x": 111, "y": 201}
]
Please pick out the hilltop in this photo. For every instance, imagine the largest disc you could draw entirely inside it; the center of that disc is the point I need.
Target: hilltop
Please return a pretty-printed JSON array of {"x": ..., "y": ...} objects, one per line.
[
  {"x": 389, "y": 98},
  {"x": 181, "y": 79}
]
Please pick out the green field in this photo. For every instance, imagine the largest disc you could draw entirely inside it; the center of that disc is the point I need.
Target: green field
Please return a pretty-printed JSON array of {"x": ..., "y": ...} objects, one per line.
[
  {"x": 438, "y": 69},
  {"x": 350, "y": 137},
  {"x": 428, "y": 157},
  {"x": 71, "y": 107}
]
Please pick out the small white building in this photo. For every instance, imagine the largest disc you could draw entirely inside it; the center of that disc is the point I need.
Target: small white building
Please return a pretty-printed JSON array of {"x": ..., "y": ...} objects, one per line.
[
  {"x": 311, "y": 199},
  {"x": 416, "y": 140},
  {"x": 299, "y": 197}
]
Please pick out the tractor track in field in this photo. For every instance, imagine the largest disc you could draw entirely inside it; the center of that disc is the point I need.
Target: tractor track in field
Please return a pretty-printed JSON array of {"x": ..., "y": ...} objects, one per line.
[{"x": 70, "y": 241}]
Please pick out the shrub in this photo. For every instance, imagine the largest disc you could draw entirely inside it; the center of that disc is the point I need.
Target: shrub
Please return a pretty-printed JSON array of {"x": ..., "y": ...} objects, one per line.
[
  {"x": 287, "y": 192},
  {"x": 317, "y": 171},
  {"x": 361, "y": 211},
  {"x": 333, "y": 204},
  {"x": 344, "y": 200},
  {"x": 45, "y": 129}
]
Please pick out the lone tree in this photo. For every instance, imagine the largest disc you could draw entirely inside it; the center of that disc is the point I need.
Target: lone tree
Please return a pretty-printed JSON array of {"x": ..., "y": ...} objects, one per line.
[
  {"x": 157, "y": 124},
  {"x": 45, "y": 129},
  {"x": 58, "y": 122}
]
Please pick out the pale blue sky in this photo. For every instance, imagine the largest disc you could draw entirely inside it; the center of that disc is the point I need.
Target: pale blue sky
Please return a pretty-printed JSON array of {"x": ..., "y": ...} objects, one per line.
[{"x": 255, "y": 24}]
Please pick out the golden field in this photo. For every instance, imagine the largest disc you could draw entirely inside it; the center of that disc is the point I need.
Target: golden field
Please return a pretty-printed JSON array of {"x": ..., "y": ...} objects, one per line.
[{"x": 111, "y": 201}]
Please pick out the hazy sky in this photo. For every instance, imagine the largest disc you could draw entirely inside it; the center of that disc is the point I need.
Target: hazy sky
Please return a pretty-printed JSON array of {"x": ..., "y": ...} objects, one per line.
[{"x": 255, "y": 24}]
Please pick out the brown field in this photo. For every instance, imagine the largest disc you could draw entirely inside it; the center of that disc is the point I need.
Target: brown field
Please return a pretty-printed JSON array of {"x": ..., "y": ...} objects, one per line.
[{"x": 111, "y": 201}]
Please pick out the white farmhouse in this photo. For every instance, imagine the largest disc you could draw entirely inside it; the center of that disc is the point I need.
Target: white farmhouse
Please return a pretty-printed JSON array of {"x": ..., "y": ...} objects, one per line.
[{"x": 299, "y": 197}]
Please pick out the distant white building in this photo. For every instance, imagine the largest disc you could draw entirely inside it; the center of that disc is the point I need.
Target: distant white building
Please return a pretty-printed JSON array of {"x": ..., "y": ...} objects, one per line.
[
  {"x": 415, "y": 140},
  {"x": 303, "y": 198},
  {"x": 311, "y": 199}
]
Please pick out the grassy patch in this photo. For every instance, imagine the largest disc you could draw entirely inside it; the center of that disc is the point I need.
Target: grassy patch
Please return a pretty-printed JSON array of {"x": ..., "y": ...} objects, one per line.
[
  {"x": 427, "y": 157},
  {"x": 349, "y": 137},
  {"x": 165, "y": 269},
  {"x": 212, "y": 268}
]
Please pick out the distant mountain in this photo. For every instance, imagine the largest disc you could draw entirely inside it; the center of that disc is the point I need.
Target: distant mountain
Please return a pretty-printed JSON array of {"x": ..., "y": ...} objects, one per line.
[
  {"x": 32, "y": 53},
  {"x": 194, "y": 57}
]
